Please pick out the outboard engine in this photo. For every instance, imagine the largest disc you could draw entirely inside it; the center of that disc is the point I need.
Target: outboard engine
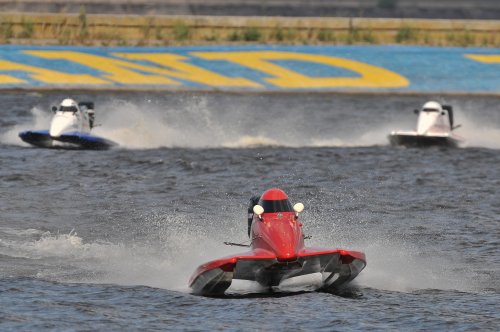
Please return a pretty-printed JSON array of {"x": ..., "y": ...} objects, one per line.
[
  {"x": 449, "y": 108},
  {"x": 88, "y": 107}
]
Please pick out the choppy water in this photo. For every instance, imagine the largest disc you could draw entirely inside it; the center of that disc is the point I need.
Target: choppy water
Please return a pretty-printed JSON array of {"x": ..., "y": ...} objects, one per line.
[{"x": 108, "y": 239}]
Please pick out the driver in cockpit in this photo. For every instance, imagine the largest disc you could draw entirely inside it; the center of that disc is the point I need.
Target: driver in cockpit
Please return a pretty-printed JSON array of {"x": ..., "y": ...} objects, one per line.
[
  {"x": 67, "y": 105},
  {"x": 273, "y": 200}
]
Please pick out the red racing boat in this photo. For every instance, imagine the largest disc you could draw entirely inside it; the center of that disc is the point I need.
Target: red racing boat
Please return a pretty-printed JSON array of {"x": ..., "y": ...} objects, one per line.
[{"x": 278, "y": 260}]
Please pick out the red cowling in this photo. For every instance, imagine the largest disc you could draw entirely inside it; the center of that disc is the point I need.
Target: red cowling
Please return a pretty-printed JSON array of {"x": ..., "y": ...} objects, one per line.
[
  {"x": 274, "y": 194},
  {"x": 278, "y": 233}
]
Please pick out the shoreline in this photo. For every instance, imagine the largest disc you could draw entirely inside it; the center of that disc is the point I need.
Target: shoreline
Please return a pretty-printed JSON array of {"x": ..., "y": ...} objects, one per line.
[
  {"x": 160, "y": 90},
  {"x": 162, "y": 30}
]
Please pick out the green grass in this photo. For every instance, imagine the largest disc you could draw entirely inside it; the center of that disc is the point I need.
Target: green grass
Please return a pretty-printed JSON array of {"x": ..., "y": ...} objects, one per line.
[
  {"x": 251, "y": 34},
  {"x": 27, "y": 29},
  {"x": 278, "y": 34},
  {"x": 181, "y": 31},
  {"x": 82, "y": 18},
  {"x": 6, "y": 30},
  {"x": 326, "y": 35},
  {"x": 68, "y": 31},
  {"x": 406, "y": 34}
]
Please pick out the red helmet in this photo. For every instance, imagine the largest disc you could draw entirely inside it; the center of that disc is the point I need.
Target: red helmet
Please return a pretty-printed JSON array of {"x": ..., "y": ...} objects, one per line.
[{"x": 275, "y": 200}]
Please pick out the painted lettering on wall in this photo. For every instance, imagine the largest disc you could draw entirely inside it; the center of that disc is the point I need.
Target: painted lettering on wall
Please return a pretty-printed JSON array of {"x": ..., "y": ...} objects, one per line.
[{"x": 170, "y": 69}]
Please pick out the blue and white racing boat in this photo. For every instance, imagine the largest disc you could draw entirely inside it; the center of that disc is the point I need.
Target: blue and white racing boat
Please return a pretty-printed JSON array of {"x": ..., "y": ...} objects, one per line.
[{"x": 70, "y": 128}]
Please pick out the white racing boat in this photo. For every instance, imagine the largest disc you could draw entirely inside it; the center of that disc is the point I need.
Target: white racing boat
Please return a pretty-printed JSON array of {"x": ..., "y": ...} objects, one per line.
[
  {"x": 434, "y": 128},
  {"x": 70, "y": 128}
]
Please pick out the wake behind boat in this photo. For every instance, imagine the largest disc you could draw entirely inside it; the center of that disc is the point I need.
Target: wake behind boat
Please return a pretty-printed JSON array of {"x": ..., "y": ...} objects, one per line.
[
  {"x": 278, "y": 260},
  {"x": 434, "y": 128},
  {"x": 70, "y": 128}
]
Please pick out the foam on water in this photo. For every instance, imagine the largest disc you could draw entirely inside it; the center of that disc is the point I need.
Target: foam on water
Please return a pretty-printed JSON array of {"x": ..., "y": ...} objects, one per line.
[
  {"x": 398, "y": 264},
  {"x": 40, "y": 120},
  {"x": 398, "y": 267},
  {"x": 148, "y": 124},
  {"x": 478, "y": 130},
  {"x": 196, "y": 126},
  {"x": 165, "y": 259},
  {"x": 168, "y": 264},
  {"x": 376, "y": 135},
  {"x": 252, "y": 141}
]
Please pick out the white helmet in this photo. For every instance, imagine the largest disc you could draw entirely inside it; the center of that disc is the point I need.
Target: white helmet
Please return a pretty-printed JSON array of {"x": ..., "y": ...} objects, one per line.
[
  {"x": 432, "y": 105},
  {"x": 68, "y": 105},
  {"x": 68, "y": 102}
]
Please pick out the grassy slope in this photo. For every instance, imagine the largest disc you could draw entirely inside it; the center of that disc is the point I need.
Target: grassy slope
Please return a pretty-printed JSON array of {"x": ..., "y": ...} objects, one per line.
[{"x": 130, "y": 30}]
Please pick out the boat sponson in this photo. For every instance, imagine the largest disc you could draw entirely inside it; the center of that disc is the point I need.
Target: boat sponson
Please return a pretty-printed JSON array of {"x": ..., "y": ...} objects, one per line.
[
  {"x": 337, "y": 267},
  {"x": 422, "y": 140},
  {"x": 75, "y": 140}
]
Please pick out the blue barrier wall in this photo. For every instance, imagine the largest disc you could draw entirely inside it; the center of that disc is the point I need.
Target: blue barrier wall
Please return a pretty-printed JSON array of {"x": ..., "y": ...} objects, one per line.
[{"x": 323, "y": 68}]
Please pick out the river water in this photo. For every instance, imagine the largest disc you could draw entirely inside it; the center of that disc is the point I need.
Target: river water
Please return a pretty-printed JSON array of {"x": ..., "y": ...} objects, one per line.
[{"x": 108, "y": 239}]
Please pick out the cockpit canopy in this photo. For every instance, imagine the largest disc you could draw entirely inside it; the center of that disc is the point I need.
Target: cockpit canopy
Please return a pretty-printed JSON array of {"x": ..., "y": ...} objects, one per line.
[
  {"x": 72, "y": 109},
  {"x": 68, "y": 105},
  {"x": 273, "y": 206},
  {"x": 432, "y": 106},
  {"x": 275, "y": 200}
]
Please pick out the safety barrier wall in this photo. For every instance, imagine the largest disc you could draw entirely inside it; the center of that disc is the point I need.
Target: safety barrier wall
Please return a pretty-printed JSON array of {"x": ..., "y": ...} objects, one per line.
[{"x": 402, "y": 69}]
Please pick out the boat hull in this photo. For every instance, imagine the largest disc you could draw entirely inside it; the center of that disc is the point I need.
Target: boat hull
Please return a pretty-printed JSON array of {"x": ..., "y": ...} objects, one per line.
[
  {"x": 410, "y": 140},
  {"x": 335, "y": 268},
  {"x": 74, "y": 140}
]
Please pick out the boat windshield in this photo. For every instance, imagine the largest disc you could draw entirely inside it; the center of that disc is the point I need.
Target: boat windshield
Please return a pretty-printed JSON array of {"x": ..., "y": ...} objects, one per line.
[
  {"x": 276, "y": 206},
  {"x": 430, "y": 110},
  {"x": 72, "y": 109}
]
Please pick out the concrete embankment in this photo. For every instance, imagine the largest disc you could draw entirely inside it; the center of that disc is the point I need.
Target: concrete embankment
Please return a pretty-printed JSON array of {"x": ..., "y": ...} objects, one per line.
[{"x": 140, "y": 30}]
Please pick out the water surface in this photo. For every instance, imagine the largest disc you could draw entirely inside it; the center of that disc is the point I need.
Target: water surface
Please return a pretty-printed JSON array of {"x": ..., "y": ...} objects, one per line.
[{"x": 108, "y": 239}]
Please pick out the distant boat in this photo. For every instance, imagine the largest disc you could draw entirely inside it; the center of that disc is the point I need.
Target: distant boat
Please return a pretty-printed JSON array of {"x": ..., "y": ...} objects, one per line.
[
  {"x": 70, "y": 128},
  {"x": 434, "y": 128}
]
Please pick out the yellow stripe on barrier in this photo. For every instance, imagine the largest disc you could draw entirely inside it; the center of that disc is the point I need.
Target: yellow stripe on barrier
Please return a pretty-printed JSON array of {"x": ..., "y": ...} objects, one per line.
[
  {"x": 488, "y": 58},
  {"x": 45, "y": 75},
  {"x": 371, "y": 76},
  {"x": 118, "y": 71},
  {"x": 186, "y": 71}
]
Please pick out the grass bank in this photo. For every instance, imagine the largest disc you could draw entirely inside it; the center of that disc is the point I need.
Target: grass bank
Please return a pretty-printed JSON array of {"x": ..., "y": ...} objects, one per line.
[{"x": 139, "y": 30}]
